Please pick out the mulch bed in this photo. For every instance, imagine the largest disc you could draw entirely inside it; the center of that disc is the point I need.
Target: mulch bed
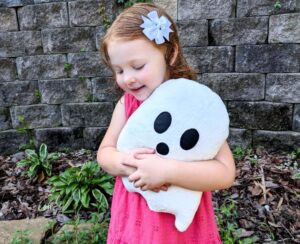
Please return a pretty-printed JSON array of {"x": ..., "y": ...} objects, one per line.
[{"x": 267, "y": 198}]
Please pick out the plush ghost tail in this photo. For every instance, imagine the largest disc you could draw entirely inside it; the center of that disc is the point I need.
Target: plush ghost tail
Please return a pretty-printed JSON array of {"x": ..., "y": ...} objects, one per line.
[
  {"x": 178, "y": 201},
  {"x": 182, "y": 120}
]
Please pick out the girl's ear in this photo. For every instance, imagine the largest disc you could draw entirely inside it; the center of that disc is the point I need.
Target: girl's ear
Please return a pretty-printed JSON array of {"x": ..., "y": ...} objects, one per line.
[{"x": 175, "y": 54}]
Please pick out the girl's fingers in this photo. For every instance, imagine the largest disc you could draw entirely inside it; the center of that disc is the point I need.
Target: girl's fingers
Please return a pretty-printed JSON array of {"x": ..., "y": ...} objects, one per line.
[
  {"x": 133, "y": 177},
  {"x": 143, "y": 151}
]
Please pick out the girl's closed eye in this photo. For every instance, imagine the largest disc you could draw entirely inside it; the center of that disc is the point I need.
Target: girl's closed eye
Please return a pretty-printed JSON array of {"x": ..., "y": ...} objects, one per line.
[{"x": 139, "y": 67}]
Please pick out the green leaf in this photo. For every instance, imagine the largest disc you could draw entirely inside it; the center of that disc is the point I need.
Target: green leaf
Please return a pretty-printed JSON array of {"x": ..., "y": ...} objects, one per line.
[
  {"x": 31, "y": 153},
  {"x": 43, "y": 152},
  {"x": 98, "y": 195},
  {"x": 85, "y": 200},
  {"x": 76, "y": 195},
  {"x": 23, "y": 162},
  {"x": 67, "y": 205}
]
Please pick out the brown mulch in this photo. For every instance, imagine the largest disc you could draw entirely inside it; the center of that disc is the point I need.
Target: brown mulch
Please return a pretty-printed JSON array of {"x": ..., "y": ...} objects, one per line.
[{"x": 267, "y": 198}]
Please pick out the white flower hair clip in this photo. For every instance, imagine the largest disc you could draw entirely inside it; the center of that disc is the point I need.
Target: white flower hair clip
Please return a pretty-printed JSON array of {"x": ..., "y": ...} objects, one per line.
[{"x": 156, "y": 28}]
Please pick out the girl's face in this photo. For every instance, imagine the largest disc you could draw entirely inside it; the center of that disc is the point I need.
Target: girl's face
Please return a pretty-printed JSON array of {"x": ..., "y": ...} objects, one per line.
[{"x": 138, "y": 65}]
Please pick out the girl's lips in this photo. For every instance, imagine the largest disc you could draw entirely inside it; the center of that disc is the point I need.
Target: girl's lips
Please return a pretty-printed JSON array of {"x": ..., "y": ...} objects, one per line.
[{"x": 137, "y": 89}]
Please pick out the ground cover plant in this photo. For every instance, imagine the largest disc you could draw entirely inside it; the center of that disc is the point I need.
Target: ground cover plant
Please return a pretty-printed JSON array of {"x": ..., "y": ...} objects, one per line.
[{"x": 261, "y": 207}]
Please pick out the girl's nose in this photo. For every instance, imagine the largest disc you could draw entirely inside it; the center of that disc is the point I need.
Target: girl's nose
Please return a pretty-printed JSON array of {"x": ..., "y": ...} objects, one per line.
[{"x": 130, "y": 80}]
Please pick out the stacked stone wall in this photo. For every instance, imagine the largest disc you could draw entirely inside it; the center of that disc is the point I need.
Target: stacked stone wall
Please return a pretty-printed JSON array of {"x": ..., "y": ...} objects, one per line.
[{"x": 52, "y": 76}]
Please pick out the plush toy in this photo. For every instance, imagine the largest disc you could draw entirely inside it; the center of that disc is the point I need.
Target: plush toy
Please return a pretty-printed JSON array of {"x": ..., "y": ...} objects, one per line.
[{"x": 182, "y": 120}]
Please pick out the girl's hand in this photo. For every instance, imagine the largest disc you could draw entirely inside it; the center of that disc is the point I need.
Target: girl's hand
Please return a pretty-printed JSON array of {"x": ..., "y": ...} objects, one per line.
[
  {"x": 130, "y": 156},
  {"x": 151, "y": 172}
]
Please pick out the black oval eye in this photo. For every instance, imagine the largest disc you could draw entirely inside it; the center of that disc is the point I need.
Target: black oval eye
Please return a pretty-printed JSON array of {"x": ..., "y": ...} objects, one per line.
[
  {"x": 162, "y": 148},
  {"x": 162, "y": 122},
  {"x": 189, "y": 139}
]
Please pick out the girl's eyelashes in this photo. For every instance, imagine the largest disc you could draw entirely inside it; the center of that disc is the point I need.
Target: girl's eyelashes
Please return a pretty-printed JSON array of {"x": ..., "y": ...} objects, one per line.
[{"x": 139, "y": 67}]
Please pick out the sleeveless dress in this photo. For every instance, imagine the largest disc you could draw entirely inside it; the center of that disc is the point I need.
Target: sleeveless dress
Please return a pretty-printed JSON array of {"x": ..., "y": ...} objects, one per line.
[{"x": 132, "y": 222}]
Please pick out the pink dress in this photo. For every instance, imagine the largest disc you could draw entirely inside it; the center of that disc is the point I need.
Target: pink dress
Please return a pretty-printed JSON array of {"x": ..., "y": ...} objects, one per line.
[{"x": 132, "y": 222}]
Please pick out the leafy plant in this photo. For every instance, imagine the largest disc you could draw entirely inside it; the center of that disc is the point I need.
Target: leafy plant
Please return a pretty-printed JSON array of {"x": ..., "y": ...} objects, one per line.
[
  {"x": 94, "y": 232},
  {"x": 24, "y": 128},
  {"x": 90, "y": 98},
  {"x": 21, "y": 237},
  {"x": 129, "y": 3},
  {"x": 296, "y": 176},
  {"x": 38, "y": 95},
  {"x": 238, "y": 152},
  {"x": 104, "y": 17},
  {"x": 39, "y": 164},
  {"x": 277, "y": 4},
  {"x": 81, "y": 187}
]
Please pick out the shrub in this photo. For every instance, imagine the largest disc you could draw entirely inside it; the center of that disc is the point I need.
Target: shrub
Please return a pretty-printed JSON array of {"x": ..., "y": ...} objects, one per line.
[
  {"x": 38, "y": 164},
  {"x": 81, "y": 187}
]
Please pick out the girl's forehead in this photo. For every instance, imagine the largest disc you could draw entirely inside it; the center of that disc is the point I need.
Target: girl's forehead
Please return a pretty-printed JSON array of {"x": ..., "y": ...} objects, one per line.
[{"x": 136, "y": 47}]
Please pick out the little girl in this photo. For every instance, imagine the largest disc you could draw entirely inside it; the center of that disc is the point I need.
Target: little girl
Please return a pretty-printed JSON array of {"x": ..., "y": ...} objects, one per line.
[{"x": 142, "y": 49}]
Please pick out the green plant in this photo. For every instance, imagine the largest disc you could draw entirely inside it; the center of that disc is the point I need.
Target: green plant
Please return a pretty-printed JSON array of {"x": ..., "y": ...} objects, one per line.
[
  {"x": 24, "y": 128},
  {"x": 90, "y": 98},
  {"x": 21, "y": 237},
  {"x": 104, "y": 17},
  {"x": 277, "y": 4},
  {"x": 67, "y": 67},
  {"x": 93, "y": 231},
  {"x": 296, "y": 176},
  {"x": 238, "y": 152},
  {"x": 39, "y": 164},
  {"x": 129, "y": 3},
  {"x": 81, "y": 187},
  {"x": 38, "y": 95}
]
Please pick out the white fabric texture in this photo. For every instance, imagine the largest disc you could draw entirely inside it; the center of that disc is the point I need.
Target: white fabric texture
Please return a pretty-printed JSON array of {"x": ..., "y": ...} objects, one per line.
[{"x": 191, "y": 105}]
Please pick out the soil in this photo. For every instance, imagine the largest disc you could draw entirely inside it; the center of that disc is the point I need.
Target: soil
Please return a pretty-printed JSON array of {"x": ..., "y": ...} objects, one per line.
[{"x": 267, "y": 199}]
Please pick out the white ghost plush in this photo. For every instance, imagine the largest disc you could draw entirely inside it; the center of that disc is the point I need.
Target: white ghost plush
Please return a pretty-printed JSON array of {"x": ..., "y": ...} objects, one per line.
[{"x": 182, "y": 120}]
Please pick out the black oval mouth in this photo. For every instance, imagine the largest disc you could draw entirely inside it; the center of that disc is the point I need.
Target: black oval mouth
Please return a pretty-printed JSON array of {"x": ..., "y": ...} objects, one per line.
[{"x": 162, "y": 148}]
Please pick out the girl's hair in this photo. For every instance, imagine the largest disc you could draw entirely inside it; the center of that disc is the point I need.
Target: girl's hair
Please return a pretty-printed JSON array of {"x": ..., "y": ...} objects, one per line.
[{"x": 127, "y": 26}]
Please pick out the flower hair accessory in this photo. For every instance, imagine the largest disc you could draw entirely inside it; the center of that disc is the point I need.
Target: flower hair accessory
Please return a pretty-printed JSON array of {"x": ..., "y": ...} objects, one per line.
[{"x": 156, "y": 28}]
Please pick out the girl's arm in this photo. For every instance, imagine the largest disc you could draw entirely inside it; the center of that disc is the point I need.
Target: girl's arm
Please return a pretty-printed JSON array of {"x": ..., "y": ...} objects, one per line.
[
  {"x": 107, "y": 156},
  {"x": 153, "y": 171}
]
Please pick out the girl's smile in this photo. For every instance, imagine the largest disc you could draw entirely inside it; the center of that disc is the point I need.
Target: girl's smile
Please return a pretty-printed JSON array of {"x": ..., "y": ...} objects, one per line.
[{"x": 138, "y": 65}]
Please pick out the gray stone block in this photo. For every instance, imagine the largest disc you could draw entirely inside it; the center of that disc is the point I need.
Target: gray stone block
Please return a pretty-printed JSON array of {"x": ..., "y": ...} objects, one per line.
[
  {"x": 265, "y": 7},
  {"x": 201, "y": 9},
  {"x": 284, "y": 28},
  {"x": 41, "y": 67},
  {"x": 170, "y": 6},
  {"x": 50, "y": 1},
  {"x": 296, "y": 120},
  {"x": 21, "y": 43},
  {"x": 272, "y": 58},
  {"x": 65, "y": 40},
  {"x": 8, "y": 69},
  {"x": 236, "y": 86},
  {"x": 260, "y": 115},
  {"x": 18, "y": 93},
  {"x": 87, "y": 65},
  {"x": 5, "y": 122},
  {"x": 36, "y": 116},
  {"x": 238, "y": 31},
  {"x": 277, "y": 140},
  {"x": 87, "y": 114},
  {"x": 60, "y": 139},
  {"x": 104, "y": 89},
  {"x": 11, "y": 140},
  {"x": 8, "y": 19},
  {"x": 15, "y": 3},
  {"x": 210, "y": 59},
  {"x": 48, "y": 15},
  {"x": 78, "y": 12},
  {"x": 193, "y": 32},
  {"x": 93, "y": 137},
  {"x": 283, "y": 88},
  {"x": 240, "y": 138},
  {"x": 64, "y": 91},
  {"x": 100, "y": 33}
]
